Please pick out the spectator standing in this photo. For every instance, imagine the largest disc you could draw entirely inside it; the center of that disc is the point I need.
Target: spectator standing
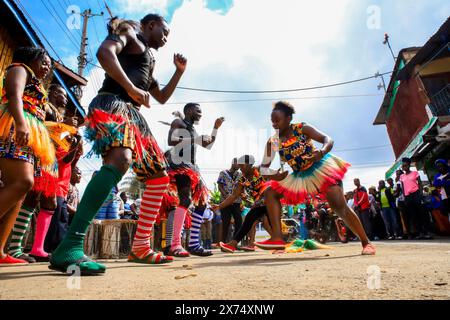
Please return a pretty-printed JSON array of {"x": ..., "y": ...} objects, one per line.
[
  {"x": 226, "y": 183},
  {"x": 378, "y": 227},
  {"x": 401, "y": 205},
  {"x": 206, "y": 229},
  {"x": 362, "y": 207},
  {"x": 387, "y": 200},
  {"x": 73, "y": 197},
  {"x": 412, "y": 188}
]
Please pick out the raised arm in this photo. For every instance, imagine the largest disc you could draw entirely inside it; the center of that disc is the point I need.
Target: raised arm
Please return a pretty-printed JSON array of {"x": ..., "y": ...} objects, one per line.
[
  {"x": 162, "y": 95},
  {"x": 208, "y": 141}
]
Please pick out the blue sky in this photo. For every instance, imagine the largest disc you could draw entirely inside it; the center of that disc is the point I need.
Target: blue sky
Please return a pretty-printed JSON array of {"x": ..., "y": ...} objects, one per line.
[{"x": 266, "y": 45}]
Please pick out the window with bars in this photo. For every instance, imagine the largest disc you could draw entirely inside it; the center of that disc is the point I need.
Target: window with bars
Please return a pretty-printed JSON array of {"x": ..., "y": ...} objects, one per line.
[{"x": 440, "y": 102}]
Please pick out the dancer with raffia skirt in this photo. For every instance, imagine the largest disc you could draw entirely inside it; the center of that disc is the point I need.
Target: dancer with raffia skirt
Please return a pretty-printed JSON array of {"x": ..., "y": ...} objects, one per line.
[
  {"x": 186, "y": 179},
  {"x": 25, "y": 145},
  {"x": 315, "y": 171},
  {"x": 254, "y": 185},
  {"x": 46, "y": 189},
  {"x": 122, "y": 136}
]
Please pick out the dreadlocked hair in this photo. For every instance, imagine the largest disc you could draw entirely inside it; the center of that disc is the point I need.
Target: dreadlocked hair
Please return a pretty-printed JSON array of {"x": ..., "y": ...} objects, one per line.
[{"x": 118, "y": 26}]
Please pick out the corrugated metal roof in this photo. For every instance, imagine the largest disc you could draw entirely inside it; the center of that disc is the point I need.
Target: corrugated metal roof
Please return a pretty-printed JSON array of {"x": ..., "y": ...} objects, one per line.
[
  {"x": 382, "y": 113},
  {"x": 427, "y": 52}
]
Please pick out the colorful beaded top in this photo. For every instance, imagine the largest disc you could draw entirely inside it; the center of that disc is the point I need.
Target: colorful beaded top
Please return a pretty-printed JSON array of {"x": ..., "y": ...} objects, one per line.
[
  {"x": 34, "y": 95},
  {"x": 296, "y": 151}
]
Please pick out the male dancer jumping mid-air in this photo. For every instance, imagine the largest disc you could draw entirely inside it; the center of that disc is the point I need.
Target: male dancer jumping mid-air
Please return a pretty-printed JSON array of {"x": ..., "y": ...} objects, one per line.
[
  {"x": 121, "y": 135},
  {"x": 186, "y": 179}
]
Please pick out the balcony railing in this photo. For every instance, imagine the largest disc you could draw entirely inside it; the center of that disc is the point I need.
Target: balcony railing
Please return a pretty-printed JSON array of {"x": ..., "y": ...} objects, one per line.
[{"x": 440, "y": 102}]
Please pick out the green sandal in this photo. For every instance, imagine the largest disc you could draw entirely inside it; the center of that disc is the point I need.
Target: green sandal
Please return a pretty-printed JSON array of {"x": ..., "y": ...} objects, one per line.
[{"x": 86, "y": 266}]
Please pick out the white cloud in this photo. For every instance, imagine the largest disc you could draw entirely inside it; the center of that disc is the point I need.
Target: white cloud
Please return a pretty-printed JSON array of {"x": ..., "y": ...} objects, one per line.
[
  {"x": 263, "y": 44},
  {"x": 140, "y": 6}
]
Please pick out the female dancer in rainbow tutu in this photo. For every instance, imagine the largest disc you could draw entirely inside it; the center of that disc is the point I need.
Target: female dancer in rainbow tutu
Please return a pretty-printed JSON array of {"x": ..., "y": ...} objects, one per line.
[{"x": 315, "y": 171}]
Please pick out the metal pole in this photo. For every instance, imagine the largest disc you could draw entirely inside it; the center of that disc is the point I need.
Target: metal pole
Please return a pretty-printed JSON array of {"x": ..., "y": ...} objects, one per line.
[
  {"x": 386, "y": 41},
  {"x": 82, "y": 61},
  {"x": 383, "y": 84},
  {"x": 82, "y": 58}
]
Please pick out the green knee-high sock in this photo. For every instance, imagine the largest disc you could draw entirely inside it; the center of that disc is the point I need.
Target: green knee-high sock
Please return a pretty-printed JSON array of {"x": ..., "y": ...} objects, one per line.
[
  {"x": 19, "y": 230},
  {"x": 98, "y": 189}
]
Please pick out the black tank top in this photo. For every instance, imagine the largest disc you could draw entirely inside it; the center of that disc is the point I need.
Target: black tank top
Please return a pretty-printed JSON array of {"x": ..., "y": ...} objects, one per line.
[
  {"x": 138, "y": 68},
  {"x": 178, "y": 150},
  {"x": 194, "y": 135}
]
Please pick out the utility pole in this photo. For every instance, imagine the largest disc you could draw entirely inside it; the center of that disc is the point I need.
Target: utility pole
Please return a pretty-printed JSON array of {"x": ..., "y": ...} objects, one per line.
[
  {"x": 82, "y": 58},
  {"x": 386, "y": 41},
  {"x": 382, "y": 85}
]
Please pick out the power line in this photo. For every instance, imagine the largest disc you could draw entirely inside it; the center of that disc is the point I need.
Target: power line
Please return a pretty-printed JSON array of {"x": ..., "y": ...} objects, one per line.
[
  {"x": 59, "y": 21},
  {"x": 272, "y": 99},
  {"x": 37, "y": 28},
  {"x": 363, "y": 148},
  {"x": 65, "y": 13},
  {"x": 275, "y": 91},
  {"x": 70, "y": 36},
  {"x": 284, "y": 90}
]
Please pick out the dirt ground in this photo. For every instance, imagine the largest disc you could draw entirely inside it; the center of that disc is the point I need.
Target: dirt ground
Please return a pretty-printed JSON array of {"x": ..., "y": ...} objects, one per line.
[{"x": 407, "y": 270}]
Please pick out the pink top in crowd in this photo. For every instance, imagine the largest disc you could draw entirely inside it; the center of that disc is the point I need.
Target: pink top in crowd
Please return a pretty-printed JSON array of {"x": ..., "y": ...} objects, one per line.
[{"x": 410, "y": 183}]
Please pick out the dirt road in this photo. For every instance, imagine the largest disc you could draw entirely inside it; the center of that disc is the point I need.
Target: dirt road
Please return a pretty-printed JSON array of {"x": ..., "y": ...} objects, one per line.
[{"x": 401, "y": 270}]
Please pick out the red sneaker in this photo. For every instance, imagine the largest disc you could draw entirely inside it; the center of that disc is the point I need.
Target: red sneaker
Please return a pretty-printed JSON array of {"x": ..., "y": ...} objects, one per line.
[
  {"x": 10, "y": 260},
  {"x": 271, "y": 245},
  {"x": 227, "y": 248},
  {"x": 369, "y": 250},
  {"x": 248, "y": 248}
]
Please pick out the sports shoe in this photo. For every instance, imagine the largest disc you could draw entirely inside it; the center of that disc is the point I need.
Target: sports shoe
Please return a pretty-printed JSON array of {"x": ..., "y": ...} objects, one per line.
[
  {"x": 11, "y": 260},
  {"x": 27, "y": 258},
  {"x": 369, "y": 250},
  {"x": 248, "y": 248},
  {"x": 271, "y": 245},
  {"x": 226, "y": 248}
]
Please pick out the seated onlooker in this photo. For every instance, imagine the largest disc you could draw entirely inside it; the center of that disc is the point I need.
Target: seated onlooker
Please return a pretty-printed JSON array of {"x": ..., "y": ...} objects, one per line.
[
  {"x": 442, "y": 225},
  {"x": 442, "y": 181},
  {"x": 125, "y": 211}
]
